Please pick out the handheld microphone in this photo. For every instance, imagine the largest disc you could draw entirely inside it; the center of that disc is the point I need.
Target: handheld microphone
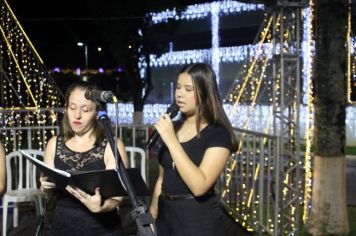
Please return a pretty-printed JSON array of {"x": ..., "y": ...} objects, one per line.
[
  {"x": 172, "y": 110},
  {"x": 100, "y": 96}
]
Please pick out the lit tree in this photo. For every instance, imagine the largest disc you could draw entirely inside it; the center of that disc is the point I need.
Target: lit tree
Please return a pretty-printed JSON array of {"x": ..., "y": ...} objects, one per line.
[{"x": 328, "y": 214}]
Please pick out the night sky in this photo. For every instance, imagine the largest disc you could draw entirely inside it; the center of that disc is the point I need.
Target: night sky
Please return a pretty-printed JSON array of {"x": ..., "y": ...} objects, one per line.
[{"x": 55, "y": 27}]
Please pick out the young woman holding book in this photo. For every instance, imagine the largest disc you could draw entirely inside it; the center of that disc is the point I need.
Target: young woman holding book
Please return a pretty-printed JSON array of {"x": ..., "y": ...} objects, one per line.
[
  {"x": 195, "y": 151},
  {"x": 82, "y": 146}
]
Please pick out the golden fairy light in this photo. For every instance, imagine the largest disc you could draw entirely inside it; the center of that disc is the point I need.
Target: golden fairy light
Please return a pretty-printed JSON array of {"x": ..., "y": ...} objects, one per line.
[
  {"x": 309, "y": 119},
  {"x": 30, "y": 97},
  {"x": 348, "y": 41}
]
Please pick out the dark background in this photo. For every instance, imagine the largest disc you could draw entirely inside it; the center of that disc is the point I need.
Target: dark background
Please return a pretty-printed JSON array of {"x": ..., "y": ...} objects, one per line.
[{"x": 55, "y": 27}]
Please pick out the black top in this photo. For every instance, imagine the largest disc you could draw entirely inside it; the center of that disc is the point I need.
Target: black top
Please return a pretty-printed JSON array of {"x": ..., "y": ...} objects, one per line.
[
  {"x": 68, "y": 160},
  {"x": 210, "y": 136},
  {"x": 71, "y": 217}
]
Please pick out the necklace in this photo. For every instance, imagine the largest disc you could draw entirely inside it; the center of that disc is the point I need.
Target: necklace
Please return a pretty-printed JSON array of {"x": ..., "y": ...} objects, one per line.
[{"x": 187, "y": 135}]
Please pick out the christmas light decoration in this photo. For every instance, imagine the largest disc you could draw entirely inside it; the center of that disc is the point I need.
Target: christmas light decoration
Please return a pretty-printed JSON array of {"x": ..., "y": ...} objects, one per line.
[
  {"x": 215, "y": 57},
  {"x": 308, "y": 51},
  {"x": 30, "y": 97},
  {"x": 199, "y": 11}
]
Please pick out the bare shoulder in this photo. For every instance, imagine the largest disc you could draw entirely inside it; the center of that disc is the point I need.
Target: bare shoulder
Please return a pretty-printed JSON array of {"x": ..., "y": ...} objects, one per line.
[
  {"x": 51, "y": 144},
  {"x": 50, "y": 150},
  {"x": 52, "y": 140},
  {"x": 119, "y": 144},
  {"x": 109, "y": 157}
]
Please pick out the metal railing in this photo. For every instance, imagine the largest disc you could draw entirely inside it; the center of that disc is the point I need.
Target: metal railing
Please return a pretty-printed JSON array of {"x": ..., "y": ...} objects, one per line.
[
  {"x": 252, "y": 190},
  {"x": 251, "y": 185}
]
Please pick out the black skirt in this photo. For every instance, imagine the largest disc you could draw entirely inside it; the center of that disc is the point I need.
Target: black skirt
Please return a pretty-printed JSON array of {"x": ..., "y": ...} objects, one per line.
[
  {"x": 78, "y": 220},
  {"x": 190, "y": 217}
]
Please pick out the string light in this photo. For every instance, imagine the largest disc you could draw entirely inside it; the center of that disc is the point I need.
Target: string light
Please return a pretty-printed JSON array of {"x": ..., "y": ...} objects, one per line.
[
  {"x": 215, "y": 57},
  {"x": 227, "y": 55},
  {"x": 252, "y": 116},
  {"x": 199, "y": 11},
  {"x": 30, "y": 97},
  {"x": 308, "y": 51},
  {"x": 348, "y": 35}
]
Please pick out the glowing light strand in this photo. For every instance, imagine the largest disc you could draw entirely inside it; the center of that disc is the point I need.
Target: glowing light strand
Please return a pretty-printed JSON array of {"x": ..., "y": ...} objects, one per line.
[
  {"x": 215, "y": 57},
  {"x": 226, "y": 54},
  {"x": 27, "y": 85},
  {"x": 199, "y": 11},
  {"x": 308, "y": 49}
]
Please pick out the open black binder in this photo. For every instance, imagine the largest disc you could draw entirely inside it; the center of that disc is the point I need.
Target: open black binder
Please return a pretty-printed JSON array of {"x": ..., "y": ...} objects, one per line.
[{"x": 107, "y": 180}]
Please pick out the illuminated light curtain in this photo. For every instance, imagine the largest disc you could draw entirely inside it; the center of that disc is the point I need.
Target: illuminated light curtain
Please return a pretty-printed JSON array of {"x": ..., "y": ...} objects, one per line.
[{"x": 29, "y": 95}]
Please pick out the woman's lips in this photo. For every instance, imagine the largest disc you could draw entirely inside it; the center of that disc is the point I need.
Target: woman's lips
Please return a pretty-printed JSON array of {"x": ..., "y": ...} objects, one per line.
[
  {"x": 77, "y": 122},
  {"x": 180, "y": 104}
]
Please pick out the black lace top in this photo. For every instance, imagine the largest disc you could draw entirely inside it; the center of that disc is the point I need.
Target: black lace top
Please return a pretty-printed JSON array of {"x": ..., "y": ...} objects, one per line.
[
  {"x": 68, "y": 160},
  {"x": 70, "y": 216}
]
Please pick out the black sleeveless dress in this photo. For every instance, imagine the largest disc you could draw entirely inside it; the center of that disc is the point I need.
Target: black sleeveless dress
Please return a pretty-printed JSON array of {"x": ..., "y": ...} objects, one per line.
[{"x": 70, "y": 216}]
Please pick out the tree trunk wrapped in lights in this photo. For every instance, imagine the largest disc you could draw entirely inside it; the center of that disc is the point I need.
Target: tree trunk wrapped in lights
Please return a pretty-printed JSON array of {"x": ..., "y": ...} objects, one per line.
[{"x": 328, "y": 214}]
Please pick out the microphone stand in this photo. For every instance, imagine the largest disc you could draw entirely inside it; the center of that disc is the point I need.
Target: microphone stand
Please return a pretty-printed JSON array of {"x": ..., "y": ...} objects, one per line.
[
  {"x": 143, "y": 219},
  {"x": 39, "y": 229}
]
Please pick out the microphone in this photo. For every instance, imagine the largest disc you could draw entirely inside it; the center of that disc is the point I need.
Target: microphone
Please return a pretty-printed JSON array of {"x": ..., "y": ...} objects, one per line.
[
  {"x": 172, "y": 110},
  {"x": 100, "y": 96}
]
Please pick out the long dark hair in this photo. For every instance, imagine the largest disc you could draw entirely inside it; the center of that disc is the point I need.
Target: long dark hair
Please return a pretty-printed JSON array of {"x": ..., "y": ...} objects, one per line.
[
  {"x": 66, "y": 130},
  {"x": 208, "y": 102}
]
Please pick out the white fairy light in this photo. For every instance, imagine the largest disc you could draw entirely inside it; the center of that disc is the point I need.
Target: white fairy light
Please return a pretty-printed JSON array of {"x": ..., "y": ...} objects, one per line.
[
  {"x": 226, "y": 55},
  {"x": 215, "y": 55},
  {"x": 199, "y": 11},
  {"x": 237, "y": 115}
]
